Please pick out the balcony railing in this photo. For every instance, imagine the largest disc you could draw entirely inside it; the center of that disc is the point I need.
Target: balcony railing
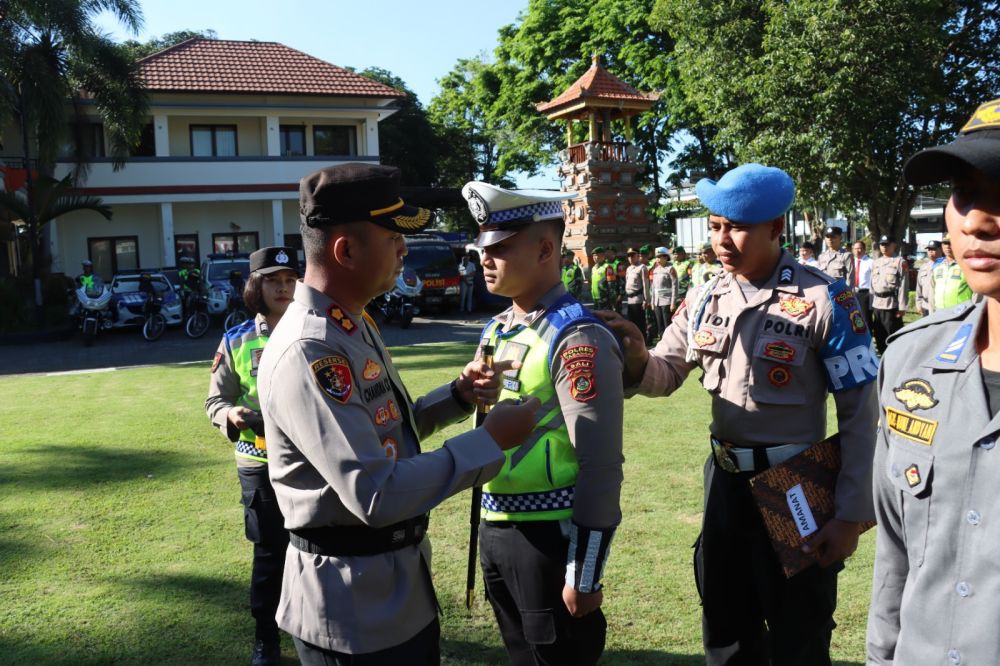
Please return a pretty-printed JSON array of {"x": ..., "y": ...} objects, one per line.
[{"x": 602, "y": 151}]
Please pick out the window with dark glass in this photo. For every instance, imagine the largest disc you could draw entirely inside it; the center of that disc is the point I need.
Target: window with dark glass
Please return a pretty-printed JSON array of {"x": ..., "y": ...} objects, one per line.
[
  {"x": 84, "y": 140},
  {"x": 294, "y": 241},
  {"x": 335, "y": 140},
  {"x": 186, "y": 245},
  {"x": 293, "y": 140},
  {"x": 113, "y": 255},
  {"x": 147, "y": 143},
  {"x": 235, "y": 242},
  {"x": 213, "y": 140}
]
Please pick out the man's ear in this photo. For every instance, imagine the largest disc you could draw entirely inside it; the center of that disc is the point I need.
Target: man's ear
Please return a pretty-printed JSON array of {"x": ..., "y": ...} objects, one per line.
[
  {"x": 343, "y": 247},
  {"x": 546, "y": 248},
  {"x": 777, "y": 227}
]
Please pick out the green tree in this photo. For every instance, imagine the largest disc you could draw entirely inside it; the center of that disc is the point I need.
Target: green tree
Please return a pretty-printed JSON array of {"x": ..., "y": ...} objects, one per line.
[
  {"x": 838, "y": 93},
  {"x": 50, "y": 51},
  {"x": 406, "y": 138},
  {"x": 138, "y": 50},
  {"x": 53, "y": 199}
]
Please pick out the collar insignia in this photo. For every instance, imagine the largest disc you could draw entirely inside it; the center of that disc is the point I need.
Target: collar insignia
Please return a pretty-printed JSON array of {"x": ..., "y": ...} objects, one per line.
[
  {"x": 341, "y": 319},
  {"x": 954, "y": 349},
  {"x": 795, "y": 306},
  {"x": 915, "y": 394}
]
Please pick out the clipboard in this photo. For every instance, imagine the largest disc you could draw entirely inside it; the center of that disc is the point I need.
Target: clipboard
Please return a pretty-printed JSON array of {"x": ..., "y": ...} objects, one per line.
[{"x": 795, "y": 500}]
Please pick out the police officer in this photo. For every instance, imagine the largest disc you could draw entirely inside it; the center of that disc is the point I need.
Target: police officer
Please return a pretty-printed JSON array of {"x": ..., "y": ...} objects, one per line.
[
  {"x": 343, "y": 436},
  {"x": 950, "y": 285},
  {"x": 663, "y": 290},
  {"x": 233, "y": 407},
  {"x": 772, "y": 337},
  {"x": 708, "y": 266},
  {"x": 890, "y": 292},
  {"x": 190, "y": 279},
  {"x": 925, "y": 278},
  {"x": 683, "y": 267},
  {"x": 88, "y": 280},
  {"x": 836, "y": 261},
  {"x": 550, "y": 515},
  {"x": 637, "y": 297},
  {"x": 937, "y": 466},
  {"x": 572, "y": 276},
  {"x": 598, "y": 279}
]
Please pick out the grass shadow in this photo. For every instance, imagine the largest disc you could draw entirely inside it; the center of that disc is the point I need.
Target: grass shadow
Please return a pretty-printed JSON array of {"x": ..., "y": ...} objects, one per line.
[
  {"x": 75, "y": 466},
  {"x": 426, "y": 357}
]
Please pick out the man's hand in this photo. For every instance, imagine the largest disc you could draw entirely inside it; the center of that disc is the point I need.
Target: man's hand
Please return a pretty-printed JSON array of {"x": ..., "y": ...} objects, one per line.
[
  {"x": 581, "y": 603},
  {"x": 509, "y": 422},
  {"x": 634, "y": 341},
  {"x": 900, "y": 313},
  {"x": 480, "y": 384},
  {"x": 836, "y": 541},
  {"x": 238, "y": 415}
]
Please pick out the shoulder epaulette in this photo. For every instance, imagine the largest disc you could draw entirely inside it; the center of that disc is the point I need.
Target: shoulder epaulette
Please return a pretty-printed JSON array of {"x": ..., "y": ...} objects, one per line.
[
  {"x": 960, "y": 311},
  {"x": 825, "y": 278}
]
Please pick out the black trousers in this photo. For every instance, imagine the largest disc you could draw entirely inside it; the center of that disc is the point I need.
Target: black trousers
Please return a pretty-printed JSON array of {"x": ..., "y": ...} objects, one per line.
[
  {"x": 884, "y": 324},
  {"x": 424, "y": 649},
  {"x": 265, "y": 529},
  {"x": 663, "y": 315},
  {"x": 524, "y": 568},
  {"x": 751, "y": 613},
  {"x": 637, "y": 315},
  {"x": 865, "y": 301}
]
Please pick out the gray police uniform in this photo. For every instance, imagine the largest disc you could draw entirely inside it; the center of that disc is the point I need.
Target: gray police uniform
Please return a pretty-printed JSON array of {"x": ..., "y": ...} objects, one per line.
[
  {"x": 343, "y": 440},
  {"x": 890, "y": 292},
  {"x": 937, "y": 581},
  {"x": 838, "y": 264},
  {"x": 769, "y": 356}
]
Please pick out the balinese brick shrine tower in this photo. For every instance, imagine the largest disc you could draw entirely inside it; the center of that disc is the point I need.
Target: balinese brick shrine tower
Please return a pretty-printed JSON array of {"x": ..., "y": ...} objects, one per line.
[{"x": 610, "y": 209}]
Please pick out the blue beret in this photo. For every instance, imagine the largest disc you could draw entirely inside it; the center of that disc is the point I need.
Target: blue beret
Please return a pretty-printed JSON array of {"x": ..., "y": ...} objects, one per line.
[{"x": 750, "y": 194}]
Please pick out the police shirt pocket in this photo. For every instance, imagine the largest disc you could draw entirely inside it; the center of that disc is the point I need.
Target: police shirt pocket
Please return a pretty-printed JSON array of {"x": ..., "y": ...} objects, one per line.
[
  {"x": 909, "y": 467},
  {"x": 539, "y": 626},
  {"x": 776, "y": 371},
  {"x": 712, "y": 344}
]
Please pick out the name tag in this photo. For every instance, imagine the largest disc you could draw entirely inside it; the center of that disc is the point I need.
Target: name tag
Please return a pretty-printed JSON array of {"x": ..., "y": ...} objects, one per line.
[
  {"x": 801, "y": 513},
  {"x": 512, "y": 384}
]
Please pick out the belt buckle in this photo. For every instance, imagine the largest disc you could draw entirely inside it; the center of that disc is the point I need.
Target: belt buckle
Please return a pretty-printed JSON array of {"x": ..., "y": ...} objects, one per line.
[{"x": 722, "y": 457}]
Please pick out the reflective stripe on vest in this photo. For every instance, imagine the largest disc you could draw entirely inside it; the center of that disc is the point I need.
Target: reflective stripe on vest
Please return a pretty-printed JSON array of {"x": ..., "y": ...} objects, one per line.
[
  {"x": 539, "y": 476},
  {"x": 87, "y": 281},
  {"x": 246, "y": 345}
]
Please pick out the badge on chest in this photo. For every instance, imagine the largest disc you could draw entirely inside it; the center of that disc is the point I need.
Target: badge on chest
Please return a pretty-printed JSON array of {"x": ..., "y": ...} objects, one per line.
[{"x": 513, "y": 351}]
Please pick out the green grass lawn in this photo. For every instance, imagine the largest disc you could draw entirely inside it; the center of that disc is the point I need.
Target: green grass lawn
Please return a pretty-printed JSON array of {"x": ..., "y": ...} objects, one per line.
[{"x": 121, "y": 531}]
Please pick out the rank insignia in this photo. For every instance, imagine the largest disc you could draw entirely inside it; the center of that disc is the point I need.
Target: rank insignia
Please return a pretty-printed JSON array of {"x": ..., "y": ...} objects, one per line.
[
  {"x": 333, "y": 375},
  {"x": 954, "y": 349},
  {"x": 779, "y": 375},
  {"x": 796, "y": 306},
  {"x": 915, "y": 394},
  {"x": 787, "y": 275},
  {"x": 216, "y": 361},
  {"x": 341, "y": 319},
  {"x": 912, "y": 476},
  {"x": 583, "y": 387},
  {"x": 858, "y": 324},
  {"x": 385, "y": 414},
  {"x": 390, "y": 448},
  {"x": 371, "y": 371},
  {"x": 703, "y": 338},
  {"x": 780, "y": 351},
  {"x": 910, "y": 426}
]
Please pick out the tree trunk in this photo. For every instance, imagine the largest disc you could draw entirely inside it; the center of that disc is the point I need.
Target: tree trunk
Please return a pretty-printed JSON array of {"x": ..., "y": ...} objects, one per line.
[{"x": 34, "y": 237}]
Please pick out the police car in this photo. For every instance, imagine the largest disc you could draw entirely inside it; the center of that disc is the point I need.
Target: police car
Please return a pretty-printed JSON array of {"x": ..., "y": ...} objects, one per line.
[
  {"x": 128, "y": 300},
  {"x": 215, "y": 272}
]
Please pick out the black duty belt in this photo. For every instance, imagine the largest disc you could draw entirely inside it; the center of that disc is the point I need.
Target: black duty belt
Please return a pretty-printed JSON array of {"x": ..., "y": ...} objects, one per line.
[{"x": 355, "y": 540}]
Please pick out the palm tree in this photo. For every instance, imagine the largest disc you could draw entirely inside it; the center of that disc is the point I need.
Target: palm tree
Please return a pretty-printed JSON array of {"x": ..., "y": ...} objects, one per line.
[
  {"x": 52, "y": 199},
  {"x": 54, "y": 62}
]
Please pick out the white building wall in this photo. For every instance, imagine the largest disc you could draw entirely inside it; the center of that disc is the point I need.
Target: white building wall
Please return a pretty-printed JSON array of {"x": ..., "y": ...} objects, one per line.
[
  {"x": 140, "y": 220},
  {"x": 217, "y": 217}
]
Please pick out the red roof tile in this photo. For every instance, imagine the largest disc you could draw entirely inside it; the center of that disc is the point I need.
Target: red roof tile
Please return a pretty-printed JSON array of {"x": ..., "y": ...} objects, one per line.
[
  {"x": 223, "y": 66},
  {"x": 599, "y": 84}
]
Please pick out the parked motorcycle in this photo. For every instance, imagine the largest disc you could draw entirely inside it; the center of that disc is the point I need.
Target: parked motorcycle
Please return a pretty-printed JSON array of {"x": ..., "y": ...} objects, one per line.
[
  {"x": 93, "y": 314},
  {"x": 400, "y": 302},
  {"x": 153, "y": 321}
]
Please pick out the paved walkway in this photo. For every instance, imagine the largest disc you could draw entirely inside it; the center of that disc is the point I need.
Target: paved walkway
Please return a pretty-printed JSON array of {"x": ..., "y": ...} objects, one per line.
[{"x": 125, "y": 347}]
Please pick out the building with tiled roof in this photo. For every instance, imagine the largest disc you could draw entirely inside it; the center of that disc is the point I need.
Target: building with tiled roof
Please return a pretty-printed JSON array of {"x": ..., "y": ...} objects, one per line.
[{"x": 233, "y": 126}]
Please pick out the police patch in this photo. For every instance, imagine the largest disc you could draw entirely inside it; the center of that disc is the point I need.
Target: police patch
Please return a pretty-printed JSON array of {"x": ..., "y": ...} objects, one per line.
[
  {"x": 333, "y": 375},
  {"x": 796, "y": 306},
  {"x": 390, "y": 448},
  {"x": 341, "y": 319},
  {"x": 385, "y": 414},
  {"x": 703, "y": 338},
  {"x": 579, "y": 351},
  {"x": 779, "y": 351},
  {"x": 912, "y": 476},
  {"x": 779, "y": 375},
  {"x": 216, "y": 361},
  {"x": 846, "y": 300},
  {"x": 858, "y": 324},
  {"x": 255, "y": 355},
  {"x": 583, "y": 387},
  {"x": 371, "y": 371},
  {"x": 910, "y": 426},
  {"x": 915, "y": 394},
  {"x": 579, "y": 365}
]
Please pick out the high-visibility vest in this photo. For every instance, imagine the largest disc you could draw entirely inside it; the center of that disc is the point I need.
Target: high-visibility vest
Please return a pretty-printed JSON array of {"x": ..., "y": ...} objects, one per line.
[
  {"x": 246, "y": 344},
  {"x": 950, "y": 287},
  {"x": 538, "y": 478}
]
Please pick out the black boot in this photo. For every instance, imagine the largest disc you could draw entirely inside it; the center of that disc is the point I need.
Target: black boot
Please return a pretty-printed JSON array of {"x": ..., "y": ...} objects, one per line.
[{"x": 266, "y": 653}]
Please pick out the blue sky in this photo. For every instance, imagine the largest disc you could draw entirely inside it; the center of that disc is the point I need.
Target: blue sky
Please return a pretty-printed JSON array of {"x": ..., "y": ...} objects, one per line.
[{"x": 417, "y": 41}]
